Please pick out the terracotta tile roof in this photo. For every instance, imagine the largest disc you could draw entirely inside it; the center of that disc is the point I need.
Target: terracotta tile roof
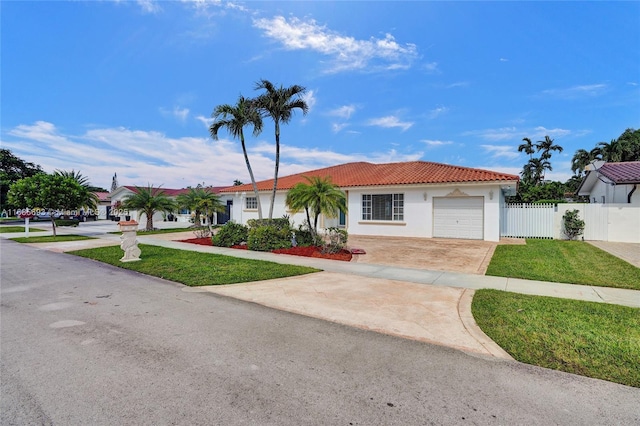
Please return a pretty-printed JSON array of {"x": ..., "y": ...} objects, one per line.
[
  {"x": 175, "y": 192},
  {"x": 103, "y": 196},
  {"x": 369, "y": 174},
  {"x": 621, "y": 173}
]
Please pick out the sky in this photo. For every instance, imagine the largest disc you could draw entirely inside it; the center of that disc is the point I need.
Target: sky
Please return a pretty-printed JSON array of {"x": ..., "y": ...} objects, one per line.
[{"x": 128, "y": 87}]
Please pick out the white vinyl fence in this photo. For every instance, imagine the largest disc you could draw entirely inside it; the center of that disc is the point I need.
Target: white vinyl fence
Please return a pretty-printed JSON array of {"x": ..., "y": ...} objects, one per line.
[{"x": 603, "y": 222}]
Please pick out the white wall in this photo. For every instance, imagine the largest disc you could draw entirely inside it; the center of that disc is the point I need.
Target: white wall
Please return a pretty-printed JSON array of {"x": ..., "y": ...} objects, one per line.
[{"x": 614, "y": 194}]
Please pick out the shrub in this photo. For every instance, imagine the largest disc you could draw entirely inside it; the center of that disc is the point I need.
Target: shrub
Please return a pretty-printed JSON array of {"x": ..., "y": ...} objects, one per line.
[
  {"x": 200, "y": 231},
  {"x": 336, "y": 240},
  {"x": 231, "y": 234},
  {"x": 278, "y": 223},
  {"x": 268, "y": 238},
  {"x": 573, "y": 225},
  {"x": 304, "y": 237}
]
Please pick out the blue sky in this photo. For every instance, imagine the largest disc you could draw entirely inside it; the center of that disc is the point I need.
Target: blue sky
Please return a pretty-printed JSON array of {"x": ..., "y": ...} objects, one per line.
[{"x": 129, "y": 86}]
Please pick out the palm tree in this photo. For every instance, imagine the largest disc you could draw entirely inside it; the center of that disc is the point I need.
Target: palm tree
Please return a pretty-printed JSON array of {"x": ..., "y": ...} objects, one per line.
[
  {"x": 200, "y": 200},
  {"x": 234, "y": 119},
  {"x": 279, "y": 103},
  {"x": 527, "y": 147},
  {"x": 318, "y": 196},
  {"x": 612, "y": 151},
  {"x": 90, "y": 199},
  {"x": 149, "y": 200},
  {"x": 546, "y": 146}
]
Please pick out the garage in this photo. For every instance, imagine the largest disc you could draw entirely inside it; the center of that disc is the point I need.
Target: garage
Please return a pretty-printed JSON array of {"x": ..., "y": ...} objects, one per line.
[{"x": 458, "y": 217}]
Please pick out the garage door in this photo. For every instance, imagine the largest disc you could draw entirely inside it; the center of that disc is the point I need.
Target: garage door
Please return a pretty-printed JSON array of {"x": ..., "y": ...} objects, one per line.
[{"x": 458, "y": 218}]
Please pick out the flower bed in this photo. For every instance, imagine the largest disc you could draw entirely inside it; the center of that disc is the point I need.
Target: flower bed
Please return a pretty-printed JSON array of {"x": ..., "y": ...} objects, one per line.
[{"x": 343, "y": 255}]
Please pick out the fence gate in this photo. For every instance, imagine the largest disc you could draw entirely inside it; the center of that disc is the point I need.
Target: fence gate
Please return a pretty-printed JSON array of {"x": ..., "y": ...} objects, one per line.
[{"x": 527, "y": 221}]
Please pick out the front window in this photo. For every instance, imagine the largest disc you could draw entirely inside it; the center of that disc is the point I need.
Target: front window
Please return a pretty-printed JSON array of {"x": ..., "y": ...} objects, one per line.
[
  {"x": 251, "y": 203},
  {"x": 383, "y": 207}
]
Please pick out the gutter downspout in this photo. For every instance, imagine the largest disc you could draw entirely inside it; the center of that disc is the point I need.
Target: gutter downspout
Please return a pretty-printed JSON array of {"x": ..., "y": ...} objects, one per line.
[{"x": 635, "y": 186}]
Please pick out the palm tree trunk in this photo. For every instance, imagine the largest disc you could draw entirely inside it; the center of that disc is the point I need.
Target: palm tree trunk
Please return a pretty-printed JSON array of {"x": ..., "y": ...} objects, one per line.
[
  {"x": 149, "y": 221},
  {"x": 253, "y": 179},
  {"x": 275, "y": 177}
]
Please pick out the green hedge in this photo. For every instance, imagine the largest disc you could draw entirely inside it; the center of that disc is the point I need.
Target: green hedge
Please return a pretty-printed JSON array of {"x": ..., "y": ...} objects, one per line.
[
  {"x": 268, "y": 238},
  {"x": 67, "y": 222},
  {"x": 231, "y": 234}
]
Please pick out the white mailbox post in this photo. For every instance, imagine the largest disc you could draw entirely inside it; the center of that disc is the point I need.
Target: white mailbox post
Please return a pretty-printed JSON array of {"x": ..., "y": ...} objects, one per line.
[{"x": 129, "y": 243}]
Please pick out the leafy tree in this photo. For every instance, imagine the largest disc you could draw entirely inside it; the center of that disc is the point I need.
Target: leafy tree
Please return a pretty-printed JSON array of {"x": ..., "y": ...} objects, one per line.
[
  {"x": 235, "y": 118},
  {"x": 149, "y": 200},
  {"x": 625, "y": 148},
  {"x": 12, "y": 169},
  {"x": 279, "y": 104},
  {"x": 237, "y": 182},
  {"x": 582, "y": 158},
  {"x": 318, "y": 196},
  {"x": 49, "y": 192}
]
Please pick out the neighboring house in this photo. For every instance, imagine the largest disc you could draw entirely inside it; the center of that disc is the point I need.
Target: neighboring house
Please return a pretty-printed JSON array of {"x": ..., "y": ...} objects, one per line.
[
  {"x": 610, "y": 183},
  {"x": 411, "y": 199},
  {"x": 118, "y": 196},
  {"x": 104, "y": 201}
]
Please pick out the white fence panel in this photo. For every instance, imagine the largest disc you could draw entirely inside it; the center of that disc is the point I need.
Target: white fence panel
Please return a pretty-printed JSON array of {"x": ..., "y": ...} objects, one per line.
[
  {"x": 527, "y": 221},
  {"x": 596, "y": 219}
]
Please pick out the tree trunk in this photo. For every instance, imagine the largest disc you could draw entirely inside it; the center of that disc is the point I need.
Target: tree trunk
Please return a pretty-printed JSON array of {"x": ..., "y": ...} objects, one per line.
[
  {"x": 275, "y": 176},
  {"x": 53, "y": 223},
  {"x": 253, "y": 180},
  {"x": 149, "y": 221}
]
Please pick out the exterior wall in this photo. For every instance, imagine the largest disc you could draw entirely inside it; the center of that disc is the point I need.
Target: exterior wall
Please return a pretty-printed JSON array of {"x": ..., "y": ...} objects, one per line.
[{"x": 613, "y": 194}]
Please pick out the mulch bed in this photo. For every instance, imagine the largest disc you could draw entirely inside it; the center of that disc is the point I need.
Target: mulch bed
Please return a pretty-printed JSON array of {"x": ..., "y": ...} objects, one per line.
[{"x": 343, "y": 255}]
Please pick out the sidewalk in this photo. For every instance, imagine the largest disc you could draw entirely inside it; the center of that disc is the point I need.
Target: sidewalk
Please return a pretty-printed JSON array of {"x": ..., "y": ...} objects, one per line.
[{"x": 424, "y": 305}]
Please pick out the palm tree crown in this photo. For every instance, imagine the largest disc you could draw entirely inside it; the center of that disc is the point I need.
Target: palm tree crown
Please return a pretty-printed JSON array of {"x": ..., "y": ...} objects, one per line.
[
  {"x": 200, "y": 200},
  {"x": 279, "y": 104},
  {"x": 235, "y": 118},
  {"x": 318, "y": 196},
  {"x": 91, "y": 200},
  {"x": 149, "y": 200}
]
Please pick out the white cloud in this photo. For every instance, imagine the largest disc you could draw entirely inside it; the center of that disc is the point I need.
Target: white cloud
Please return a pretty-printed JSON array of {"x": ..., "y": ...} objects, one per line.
[
  {"x": 149, "y": 6},
  {"x": 390, "y": 121},
  {"x": 515, "y": 134},
  {"x": 347, "y": 53},
  {"x": 432, "y": 68},
  {"x": 589, "y": 90},
  {"x": 501, "y": 151},
  {"x": 436, "y": 143},
  {"x": 309, "y": 98},
  {"x": 207, "y": 121},
  {"x": 344, "y": 111},
  {"x": 436, "y": 112},
  {"x": 337, "y": 127},
  {"x": 181, "y": 114},
  {"x": 504, "y": 60}
]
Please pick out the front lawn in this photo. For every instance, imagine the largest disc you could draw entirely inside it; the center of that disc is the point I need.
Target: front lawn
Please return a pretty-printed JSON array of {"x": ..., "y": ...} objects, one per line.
[
  {"x": 193, "y": 268},
  {"x": 51, "y": 239},
  {"x": 574, "y": 262},
  {"x": 590, "y": 339},
  {"x": 12, "y": 229}
]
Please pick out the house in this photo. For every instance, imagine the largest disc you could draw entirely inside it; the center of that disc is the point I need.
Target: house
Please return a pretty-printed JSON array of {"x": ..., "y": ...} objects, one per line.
[
  {"x": 409, "y": 199},
  {"x": 120, "y": 193},
  {"x": 104, "y": 201},
  {"x": 610, "y": 183}
]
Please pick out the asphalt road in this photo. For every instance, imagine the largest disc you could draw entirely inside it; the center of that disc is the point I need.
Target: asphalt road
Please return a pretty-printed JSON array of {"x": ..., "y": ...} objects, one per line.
[{"x": 85, "y": 343}]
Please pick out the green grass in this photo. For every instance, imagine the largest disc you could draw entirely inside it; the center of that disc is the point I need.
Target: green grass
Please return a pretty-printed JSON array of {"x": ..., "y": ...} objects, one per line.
[
  {"x": 573, "y": 262},
  {"x": 52, "y": 239},
  {"x": 157, "y": 231},
  {"x": 586, "y": 338},
  {"x": 193, "y": 268},
  {"x": 11, "y": 229}
]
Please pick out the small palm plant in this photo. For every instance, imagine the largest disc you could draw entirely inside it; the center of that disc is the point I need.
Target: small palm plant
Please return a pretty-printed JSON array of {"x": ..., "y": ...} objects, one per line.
[{"x": 149, "y": 200}]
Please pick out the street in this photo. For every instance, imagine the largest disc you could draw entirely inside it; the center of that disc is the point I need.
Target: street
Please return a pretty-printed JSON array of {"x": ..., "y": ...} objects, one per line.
[{"x": 87, "y": 343}]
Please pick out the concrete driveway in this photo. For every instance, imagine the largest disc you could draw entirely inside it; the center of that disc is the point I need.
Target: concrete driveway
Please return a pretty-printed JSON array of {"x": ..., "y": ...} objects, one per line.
[{"x": 435, "y": 254}]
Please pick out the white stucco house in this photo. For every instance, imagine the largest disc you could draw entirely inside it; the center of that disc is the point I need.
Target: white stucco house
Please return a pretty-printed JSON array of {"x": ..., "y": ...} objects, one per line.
[
  {"x": 409, "y": 199},
  {"x": 612, "y": 183}
]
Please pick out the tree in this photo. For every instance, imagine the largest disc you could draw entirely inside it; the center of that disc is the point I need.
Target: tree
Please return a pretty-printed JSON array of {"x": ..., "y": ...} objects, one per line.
[
  {"x": 12, "y": 169},
  {"x": 625, "y": 148},
  {"x": 534, "y": 170},
  {"x": 237, "y": 182},
  {"x": 49, "y": 192},
  {"x": 318, "y": 196},
  {"x": 582, "y": 158},
  {"x": 114, "y": 182},
  {"x": 279, "y": 104},
  {"x": 91, "y": 200},
  {"x": 611, "y": 152},
  {"x": 546, "y": 146},
  {"x": 528, "y": 147},
  {"x": 149, "y": 200},
  {"x": 234, "y": 119},
  {"x": 199, "y": 200}
]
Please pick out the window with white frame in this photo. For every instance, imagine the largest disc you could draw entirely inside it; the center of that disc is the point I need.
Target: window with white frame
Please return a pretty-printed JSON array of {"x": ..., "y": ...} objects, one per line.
[
  {"x": 251, "y": 203},
  {"x": 383, "y": 207}
]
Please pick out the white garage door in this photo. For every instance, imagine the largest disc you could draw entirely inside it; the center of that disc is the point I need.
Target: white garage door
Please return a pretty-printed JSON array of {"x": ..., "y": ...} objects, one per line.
[{"x": 458, "y": 218}]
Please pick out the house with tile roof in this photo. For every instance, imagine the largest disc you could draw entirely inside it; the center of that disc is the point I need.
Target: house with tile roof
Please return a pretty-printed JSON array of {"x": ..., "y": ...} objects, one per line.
[
  {"x": 120, "y": 193},
  {"x": 409, "y": 199},
  {"x": 612, "y": 183}
]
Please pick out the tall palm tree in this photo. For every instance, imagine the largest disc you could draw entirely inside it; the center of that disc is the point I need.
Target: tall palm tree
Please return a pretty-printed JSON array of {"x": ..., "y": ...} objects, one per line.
[
  {"x": 528, "y": 147},
  {"x": 149, "y": 200},
  {"x": 90, "y": 199},
  {"x": 582, "y": 158},
  {"x": 546, "y": 146},
  {"x": 612, "y": 151},
  {"x": 318, "y": 196},
  {"x": 234, "y": 118},
  {"x": 279, "y": 104}
]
